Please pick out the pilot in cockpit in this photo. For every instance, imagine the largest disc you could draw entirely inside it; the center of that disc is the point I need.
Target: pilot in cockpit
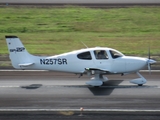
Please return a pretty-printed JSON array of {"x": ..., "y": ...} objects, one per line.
[{"x": 101, "y": 55}]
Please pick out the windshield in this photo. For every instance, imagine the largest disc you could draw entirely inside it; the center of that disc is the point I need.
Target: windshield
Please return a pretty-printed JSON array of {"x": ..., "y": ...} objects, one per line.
[{"x": 115, "y": 54}]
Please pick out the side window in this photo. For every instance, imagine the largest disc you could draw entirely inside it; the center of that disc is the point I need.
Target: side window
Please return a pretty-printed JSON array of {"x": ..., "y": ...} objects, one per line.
[
  {"x": 100, "y": 54},
  {"x": 85, "y": 56},
  {"x": 115, "y": 54}
]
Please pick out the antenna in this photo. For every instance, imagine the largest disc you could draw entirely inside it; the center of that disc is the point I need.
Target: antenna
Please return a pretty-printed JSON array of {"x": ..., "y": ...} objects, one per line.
[{"x": 84, "y": 44}]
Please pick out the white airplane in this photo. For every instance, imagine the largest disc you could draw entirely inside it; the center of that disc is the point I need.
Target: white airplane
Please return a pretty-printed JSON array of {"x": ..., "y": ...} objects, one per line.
[{"x": 98, "y": 61}]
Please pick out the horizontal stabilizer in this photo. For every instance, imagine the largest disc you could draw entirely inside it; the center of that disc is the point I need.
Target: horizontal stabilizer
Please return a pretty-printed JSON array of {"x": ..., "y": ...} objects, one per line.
[
  {"x": 25, "y": 64},
  {"x": 11, "y": 36}
]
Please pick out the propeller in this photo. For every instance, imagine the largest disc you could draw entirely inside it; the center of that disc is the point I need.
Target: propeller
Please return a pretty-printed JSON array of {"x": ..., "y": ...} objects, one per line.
[
  {"x": 149, "y": 57},
  {"x": 150, "y": 61}
]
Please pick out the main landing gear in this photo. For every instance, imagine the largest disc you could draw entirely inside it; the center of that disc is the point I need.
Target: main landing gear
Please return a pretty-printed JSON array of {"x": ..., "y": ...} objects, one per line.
[{"x": 97, "y": 80}]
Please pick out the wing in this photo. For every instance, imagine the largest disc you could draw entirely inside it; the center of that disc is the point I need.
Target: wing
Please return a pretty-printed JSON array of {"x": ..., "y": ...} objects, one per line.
[{"x": 97, "y": 70}]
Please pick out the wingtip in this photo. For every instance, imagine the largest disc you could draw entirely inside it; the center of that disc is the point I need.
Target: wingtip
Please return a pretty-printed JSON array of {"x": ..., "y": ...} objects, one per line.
[{"x": 11, "y": 36}]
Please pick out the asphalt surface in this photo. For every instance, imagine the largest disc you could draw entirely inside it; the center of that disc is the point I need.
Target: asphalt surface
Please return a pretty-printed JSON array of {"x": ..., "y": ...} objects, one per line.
[{"x": 45, "y": 95}]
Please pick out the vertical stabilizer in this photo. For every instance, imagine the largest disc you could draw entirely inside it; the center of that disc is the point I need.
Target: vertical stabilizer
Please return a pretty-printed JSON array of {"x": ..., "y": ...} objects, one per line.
[{"x": 18, "y": 53}]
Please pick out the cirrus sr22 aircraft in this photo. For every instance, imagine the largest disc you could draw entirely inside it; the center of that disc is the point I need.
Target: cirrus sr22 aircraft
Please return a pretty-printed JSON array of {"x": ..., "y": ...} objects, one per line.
[{"x": 98, "y": 61}]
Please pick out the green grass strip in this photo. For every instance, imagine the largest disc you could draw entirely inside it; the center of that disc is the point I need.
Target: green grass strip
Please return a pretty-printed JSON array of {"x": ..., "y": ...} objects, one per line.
[{"x": 49, "y": 31}]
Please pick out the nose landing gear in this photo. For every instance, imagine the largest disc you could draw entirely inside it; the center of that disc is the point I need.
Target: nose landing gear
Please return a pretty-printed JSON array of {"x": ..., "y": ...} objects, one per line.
[{"x": 139, "y": 81}]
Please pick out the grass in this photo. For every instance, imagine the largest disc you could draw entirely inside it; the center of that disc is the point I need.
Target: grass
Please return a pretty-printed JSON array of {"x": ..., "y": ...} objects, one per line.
[{"x": 49, "y": 31}]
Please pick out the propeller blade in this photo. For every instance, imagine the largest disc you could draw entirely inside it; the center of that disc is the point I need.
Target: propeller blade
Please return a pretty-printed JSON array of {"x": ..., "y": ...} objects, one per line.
[
  {"x": 149, "y": 58},
  {"x": 149, "y": 54},
  {"x": 149, "y": 67},
  {"x": 150, "y": 61}
]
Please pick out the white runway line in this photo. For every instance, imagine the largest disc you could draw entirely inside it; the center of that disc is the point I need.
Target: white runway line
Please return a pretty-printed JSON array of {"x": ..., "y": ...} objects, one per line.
[
  {"x": 21, "y": 70},
  {"x": 58, "y": 86},
  {"x": 3, "y": 70},
  {"x": 9, "y": 86},
  {"x": 77, "y": 110}
]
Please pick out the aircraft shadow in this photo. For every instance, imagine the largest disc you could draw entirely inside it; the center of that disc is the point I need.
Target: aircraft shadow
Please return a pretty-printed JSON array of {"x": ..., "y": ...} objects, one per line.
[
  {"x": 32, "y": 86},
  {"x": 112, "y": 83},
  {"x": 104, "y": 89}
]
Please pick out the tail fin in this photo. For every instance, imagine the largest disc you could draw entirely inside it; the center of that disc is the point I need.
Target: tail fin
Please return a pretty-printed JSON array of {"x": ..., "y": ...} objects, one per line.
[{"x": 19, "y": 56}]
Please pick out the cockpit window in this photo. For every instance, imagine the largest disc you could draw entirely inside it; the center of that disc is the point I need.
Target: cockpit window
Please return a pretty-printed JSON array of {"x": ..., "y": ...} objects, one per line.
[
  {"x": 100, "y": 54},
  {"x": 115, "y": 54},
  {"x": 85, "y": 56}
]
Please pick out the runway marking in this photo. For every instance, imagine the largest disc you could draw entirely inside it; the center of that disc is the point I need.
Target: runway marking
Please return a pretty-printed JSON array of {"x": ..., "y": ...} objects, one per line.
[
  {"x": 22, "y": 70},
  {"x": 77, "y": 110},
  {"x": 118, "y": 86},
  {"x": 10, "y": 70},
  {"x": 9, "y": 86},
  {"x": 77, "y": 86}
]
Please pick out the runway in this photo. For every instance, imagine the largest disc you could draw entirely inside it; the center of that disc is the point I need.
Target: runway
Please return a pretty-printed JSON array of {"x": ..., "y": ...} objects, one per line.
[{"x": 50, "y": 95}]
